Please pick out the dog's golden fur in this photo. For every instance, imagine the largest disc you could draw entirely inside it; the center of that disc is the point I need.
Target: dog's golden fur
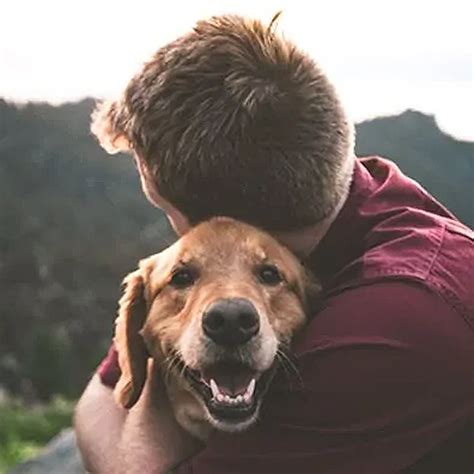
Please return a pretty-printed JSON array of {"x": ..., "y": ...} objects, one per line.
[{"x": 162, "y": 321}]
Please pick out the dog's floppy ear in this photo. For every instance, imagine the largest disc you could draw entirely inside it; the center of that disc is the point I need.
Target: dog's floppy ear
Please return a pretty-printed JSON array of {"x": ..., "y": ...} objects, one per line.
[
  {"x": 129, "y": 342},
  {"x": 110, "y": 121}
]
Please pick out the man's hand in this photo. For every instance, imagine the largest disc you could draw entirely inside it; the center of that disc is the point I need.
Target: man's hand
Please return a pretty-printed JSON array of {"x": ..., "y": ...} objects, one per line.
[{"x": 145, "y": 438}]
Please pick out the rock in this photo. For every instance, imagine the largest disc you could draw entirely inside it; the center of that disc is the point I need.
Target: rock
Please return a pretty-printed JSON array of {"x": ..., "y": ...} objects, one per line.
[{"x": 60, "y": 456}]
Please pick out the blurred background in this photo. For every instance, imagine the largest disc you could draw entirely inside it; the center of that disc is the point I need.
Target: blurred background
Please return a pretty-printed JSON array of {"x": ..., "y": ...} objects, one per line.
[{"x": 73, "y": 220}]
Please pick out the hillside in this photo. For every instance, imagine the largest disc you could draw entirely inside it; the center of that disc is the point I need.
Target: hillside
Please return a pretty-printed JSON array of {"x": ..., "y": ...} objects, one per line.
[
  {"x": 442, "y": 164},
  {"x": 73, "y": 221}
]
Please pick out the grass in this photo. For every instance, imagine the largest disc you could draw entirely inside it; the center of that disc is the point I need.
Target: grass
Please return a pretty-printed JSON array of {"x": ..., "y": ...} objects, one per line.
[{"x": 25, "y": 430}]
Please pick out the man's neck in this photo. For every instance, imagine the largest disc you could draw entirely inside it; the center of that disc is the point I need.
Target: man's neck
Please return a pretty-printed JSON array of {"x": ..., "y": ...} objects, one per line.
[{"x": 303, "y": 242}]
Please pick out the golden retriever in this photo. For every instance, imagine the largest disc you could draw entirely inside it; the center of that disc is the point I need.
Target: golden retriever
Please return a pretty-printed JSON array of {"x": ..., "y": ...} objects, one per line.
[{"x": 215, "y": 311}]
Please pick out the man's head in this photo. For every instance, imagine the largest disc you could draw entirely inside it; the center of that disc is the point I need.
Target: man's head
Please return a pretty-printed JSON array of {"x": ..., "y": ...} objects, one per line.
[{"x": 232, "y": 119}]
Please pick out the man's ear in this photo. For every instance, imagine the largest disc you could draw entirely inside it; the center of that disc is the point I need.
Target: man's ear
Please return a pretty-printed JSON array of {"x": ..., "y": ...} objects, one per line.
[
  {"x": 129, "y": 342},
  {"x": 110, "y": 121}
]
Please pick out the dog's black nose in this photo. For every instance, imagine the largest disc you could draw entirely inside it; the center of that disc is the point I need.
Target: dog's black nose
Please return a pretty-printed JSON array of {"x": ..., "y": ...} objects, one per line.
[{"x": 231, "y": 321}]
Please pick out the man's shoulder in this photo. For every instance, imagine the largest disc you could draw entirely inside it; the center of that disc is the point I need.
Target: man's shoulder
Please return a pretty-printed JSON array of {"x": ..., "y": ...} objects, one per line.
[
  {"x": 436, "y": 256},
  {"x": 410, "y": 238},
  {"x": 451, "y": 271},
  {"x": 395, "y": 230},
  {"x": 391, "y": 228},
  {"x": 384, "y": 313}
]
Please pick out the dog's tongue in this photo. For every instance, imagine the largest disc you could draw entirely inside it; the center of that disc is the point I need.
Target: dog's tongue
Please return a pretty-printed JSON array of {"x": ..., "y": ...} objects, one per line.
[{"x": 232, "y": 379}]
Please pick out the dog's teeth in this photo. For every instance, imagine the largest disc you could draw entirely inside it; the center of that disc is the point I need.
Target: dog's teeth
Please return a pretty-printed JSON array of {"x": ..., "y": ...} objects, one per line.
[
  {"x": 250, "y": 389},
  {"x": 247, "y": 396},
  {"x": 214, "y": 388},
  {"x": 230, "y": 400}
]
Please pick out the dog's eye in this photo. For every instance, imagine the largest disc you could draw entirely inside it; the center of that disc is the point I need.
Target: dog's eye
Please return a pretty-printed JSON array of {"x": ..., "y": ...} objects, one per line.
[
  {"x": 182, "y": 278},
  {"x": 269, "y": 275}
]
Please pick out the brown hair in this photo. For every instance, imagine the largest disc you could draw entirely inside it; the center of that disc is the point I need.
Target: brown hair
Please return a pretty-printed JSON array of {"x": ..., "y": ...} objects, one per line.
[{"x": 232, "y": 119}]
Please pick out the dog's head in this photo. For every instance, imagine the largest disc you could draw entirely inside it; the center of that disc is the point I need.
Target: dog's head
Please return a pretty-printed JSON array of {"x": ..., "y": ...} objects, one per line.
[{"x": 214, "y": 310}]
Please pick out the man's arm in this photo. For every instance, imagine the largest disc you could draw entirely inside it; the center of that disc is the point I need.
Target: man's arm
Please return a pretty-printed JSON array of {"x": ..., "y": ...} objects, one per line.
[
  {"x": 98, "y": 422},
  {"x": 143, "y": 439}
]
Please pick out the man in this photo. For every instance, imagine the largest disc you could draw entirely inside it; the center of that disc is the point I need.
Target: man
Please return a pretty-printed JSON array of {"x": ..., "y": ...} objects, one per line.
[{"x": 232, "y": 119}]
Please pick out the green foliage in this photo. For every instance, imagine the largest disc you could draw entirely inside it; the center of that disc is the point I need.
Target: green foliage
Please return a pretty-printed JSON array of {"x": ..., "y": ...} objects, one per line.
[{"x": 25, "y": 430}]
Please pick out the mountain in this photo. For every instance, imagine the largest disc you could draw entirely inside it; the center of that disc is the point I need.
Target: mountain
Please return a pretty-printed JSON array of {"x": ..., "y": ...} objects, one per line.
[
  {"x": 73, "y": 222},
  {"x": 442, "y": 164}
]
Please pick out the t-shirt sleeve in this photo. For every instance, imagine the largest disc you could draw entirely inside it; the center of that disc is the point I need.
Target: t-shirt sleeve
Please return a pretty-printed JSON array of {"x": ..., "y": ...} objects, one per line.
[{"x": 386, "y": 378}]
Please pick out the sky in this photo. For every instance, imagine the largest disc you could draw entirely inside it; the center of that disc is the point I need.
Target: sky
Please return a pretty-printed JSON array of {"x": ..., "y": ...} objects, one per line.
[{"x": 383, "y": 56}]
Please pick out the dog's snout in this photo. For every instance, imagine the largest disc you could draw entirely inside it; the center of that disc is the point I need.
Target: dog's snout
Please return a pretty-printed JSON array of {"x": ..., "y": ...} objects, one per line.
[{"x": 231, "y": 321}]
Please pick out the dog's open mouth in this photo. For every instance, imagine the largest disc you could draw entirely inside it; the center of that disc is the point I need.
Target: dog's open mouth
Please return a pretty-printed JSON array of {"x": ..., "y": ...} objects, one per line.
[{"x": 231, "y": 391}]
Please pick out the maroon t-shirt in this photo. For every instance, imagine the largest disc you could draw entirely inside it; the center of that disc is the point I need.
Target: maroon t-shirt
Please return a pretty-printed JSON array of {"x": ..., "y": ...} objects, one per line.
[{"x": 387, "y": 359}]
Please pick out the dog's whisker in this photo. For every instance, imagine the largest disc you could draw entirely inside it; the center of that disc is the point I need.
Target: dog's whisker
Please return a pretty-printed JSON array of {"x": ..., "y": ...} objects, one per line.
[
  {"x": 176, "y": 363},
  {"x": 283, "y": 365},
  {"x": 289, "y": 367},
  {"x": 183, "y": 368},
  {"x": 167, "y": 371},
  {"x": 285, "y": 359},
  {"x": 171, "y": 362}
]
